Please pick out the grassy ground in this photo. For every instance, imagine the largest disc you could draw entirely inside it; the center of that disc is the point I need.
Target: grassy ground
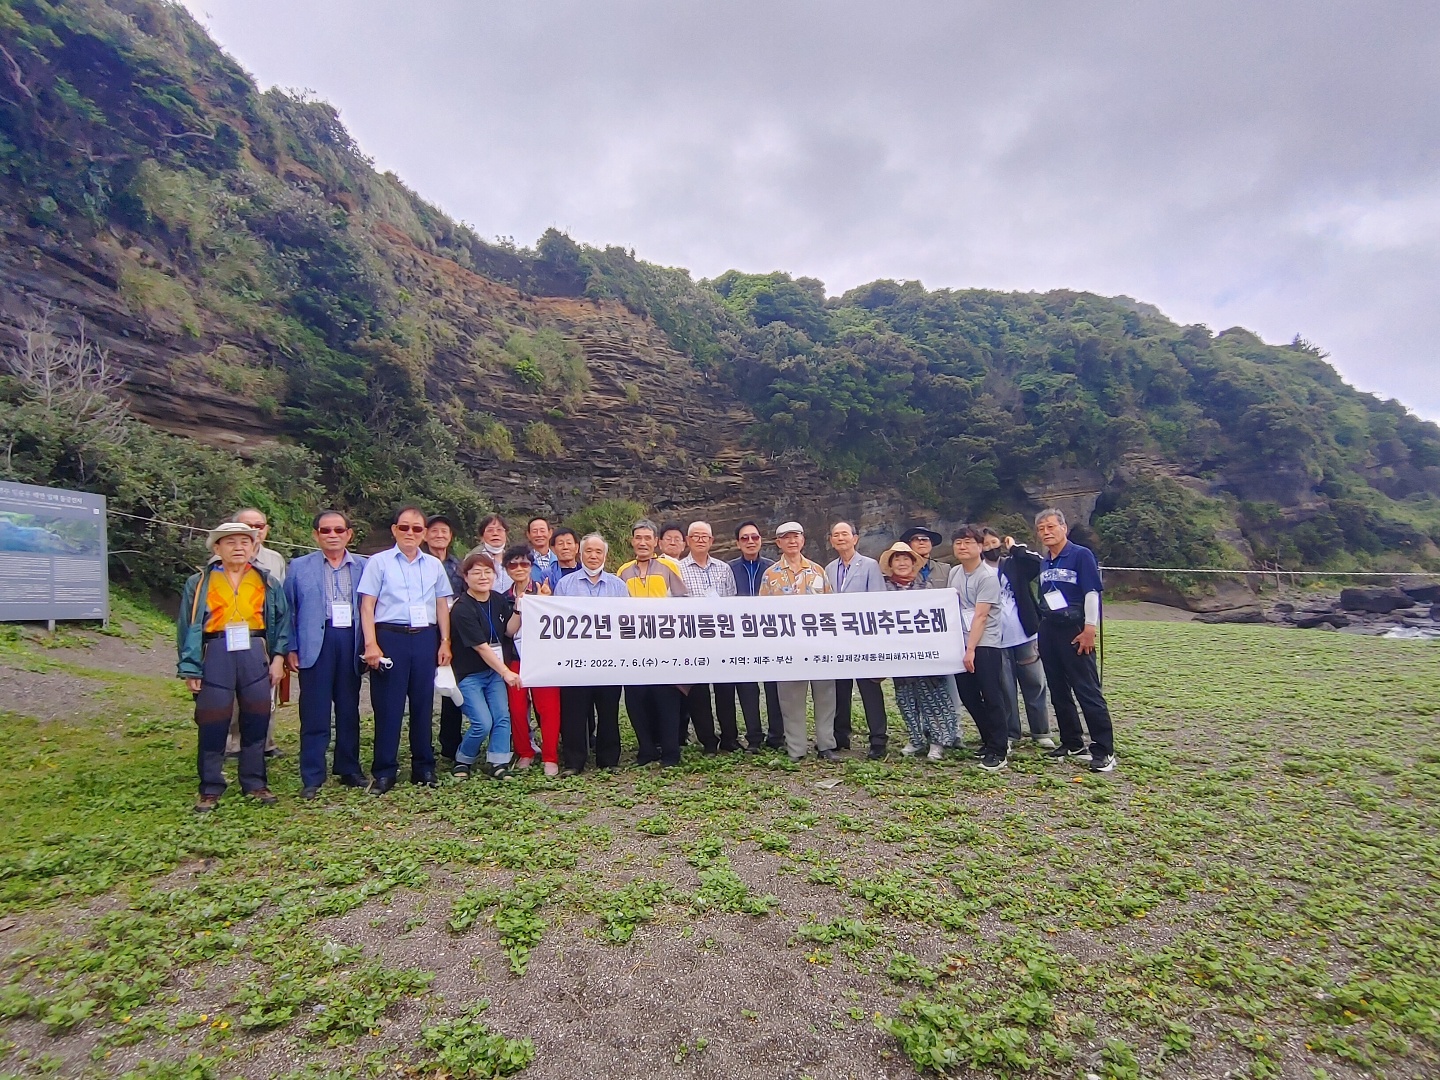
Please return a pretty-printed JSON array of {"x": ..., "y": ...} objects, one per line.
[{"x": 1256, "y": 892}]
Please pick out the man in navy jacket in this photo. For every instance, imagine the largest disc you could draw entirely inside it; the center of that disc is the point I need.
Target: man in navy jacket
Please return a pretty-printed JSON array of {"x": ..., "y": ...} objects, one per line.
[
  {"x": 1069, "y": 616},
  {"x": 749, "y": 571},
  {"x": 325, "y": 612}
]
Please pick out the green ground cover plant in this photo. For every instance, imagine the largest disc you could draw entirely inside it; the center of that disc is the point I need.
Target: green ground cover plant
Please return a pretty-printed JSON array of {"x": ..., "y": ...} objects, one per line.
[{"x": 1254, "y": 891}]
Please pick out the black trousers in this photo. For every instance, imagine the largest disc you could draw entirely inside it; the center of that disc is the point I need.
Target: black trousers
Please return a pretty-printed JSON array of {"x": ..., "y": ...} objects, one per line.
[
  {"x": 749, "y": 695},
  {"x": 411, "y": 679},
  {"x": 655, "y": 716},
  {"x": 449, "y": 728},
  {"x": 1072, "y": 675},
  {"x": 228, "y": 678},
  {"x": 578, "y": 706},
  {"x": 701, "y": 716},
  {"x": 872, "y": 697},
  {"x": 983, "y": 693},
  {"x": 330, "y": 683}
]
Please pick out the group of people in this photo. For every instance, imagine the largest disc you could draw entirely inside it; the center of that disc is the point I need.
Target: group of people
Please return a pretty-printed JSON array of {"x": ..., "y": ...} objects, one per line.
[{"x": 331, "y": 616}]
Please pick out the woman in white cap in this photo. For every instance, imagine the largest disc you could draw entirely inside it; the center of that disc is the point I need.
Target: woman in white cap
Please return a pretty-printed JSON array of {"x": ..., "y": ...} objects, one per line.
[{"x": 924, "y": 700}]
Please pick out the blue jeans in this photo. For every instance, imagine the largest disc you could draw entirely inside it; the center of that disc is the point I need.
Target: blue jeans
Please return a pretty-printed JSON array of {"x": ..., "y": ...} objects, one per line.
[{"x": 487, "y": 711}]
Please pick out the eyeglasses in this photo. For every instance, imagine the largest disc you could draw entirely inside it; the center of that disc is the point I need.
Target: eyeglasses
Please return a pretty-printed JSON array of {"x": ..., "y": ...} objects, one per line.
[
  {"x": 409, "y": 528},
  {"x": 332, "y": 530},
  {"x": 746, "y": 537},
  {"x": 518, "y": 566}
]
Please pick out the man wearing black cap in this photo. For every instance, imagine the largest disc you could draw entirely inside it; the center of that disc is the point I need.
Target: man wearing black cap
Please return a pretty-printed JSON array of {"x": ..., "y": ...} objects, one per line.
[
  {"x": 439, "y": 535},
  {"x": 922, "y": 541}
]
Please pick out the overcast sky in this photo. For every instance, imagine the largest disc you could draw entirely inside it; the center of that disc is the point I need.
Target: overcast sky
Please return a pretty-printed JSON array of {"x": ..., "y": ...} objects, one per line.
[{"x": 1272, "y": 165}]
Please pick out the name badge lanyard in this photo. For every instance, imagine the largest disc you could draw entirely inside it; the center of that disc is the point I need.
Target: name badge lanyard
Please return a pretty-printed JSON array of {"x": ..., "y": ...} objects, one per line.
[
  {"x": 237, "y": 634},
  {"x": 965, "y": 591},
  {"x": 493, "y": 638},
  {"x": 418, "y": 615},
  {"x": 342, "y": 615}
]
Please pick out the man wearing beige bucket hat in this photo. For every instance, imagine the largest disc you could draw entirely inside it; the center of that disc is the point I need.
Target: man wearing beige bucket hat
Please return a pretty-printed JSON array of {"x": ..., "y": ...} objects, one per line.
[{"x": 233, "y": 635}]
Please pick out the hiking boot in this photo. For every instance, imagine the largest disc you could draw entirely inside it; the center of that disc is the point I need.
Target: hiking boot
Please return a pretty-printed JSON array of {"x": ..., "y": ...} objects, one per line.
[
  {"x": 205, "y": 803},
  {"x": 263, "y": 796}
]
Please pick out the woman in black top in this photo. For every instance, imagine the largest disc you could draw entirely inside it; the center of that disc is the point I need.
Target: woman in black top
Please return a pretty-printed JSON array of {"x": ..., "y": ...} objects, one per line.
[{"x": 479, "y": 622}]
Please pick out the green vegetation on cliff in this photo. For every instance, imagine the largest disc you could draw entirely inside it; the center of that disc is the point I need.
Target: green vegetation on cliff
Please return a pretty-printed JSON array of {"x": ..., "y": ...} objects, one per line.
[{"x": 249, "y": 225}]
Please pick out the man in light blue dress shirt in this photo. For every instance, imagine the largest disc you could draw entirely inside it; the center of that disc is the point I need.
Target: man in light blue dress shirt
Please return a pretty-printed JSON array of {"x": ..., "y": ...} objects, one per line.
[
  {"x": 405, "y": 615},
  {"x": 856, "y": 573},
  {"x": 579, "y": 703}
]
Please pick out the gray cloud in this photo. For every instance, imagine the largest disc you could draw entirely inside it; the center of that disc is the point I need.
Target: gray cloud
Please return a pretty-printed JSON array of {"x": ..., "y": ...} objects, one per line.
[{"x": 1274, "y": 165}]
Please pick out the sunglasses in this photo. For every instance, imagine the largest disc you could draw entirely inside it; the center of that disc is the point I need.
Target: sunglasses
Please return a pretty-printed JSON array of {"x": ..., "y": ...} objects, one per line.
[
  {"x": 409, "y": 528},
  {"x": 518, "y": 566},
  {"x": 747, "y": 537},
  {"x": 332, "y": 530}
]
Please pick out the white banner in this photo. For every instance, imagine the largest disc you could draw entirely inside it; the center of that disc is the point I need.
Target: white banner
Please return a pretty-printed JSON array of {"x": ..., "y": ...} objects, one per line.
[{"x": 584, "y": 641}]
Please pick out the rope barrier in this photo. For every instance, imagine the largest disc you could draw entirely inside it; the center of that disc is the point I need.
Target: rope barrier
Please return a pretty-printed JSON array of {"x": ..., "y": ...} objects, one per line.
[{"x": 194, "y": 529}]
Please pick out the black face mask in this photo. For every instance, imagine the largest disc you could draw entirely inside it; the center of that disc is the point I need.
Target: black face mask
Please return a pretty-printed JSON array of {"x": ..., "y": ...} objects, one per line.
[{"x": 992, "y": 555}]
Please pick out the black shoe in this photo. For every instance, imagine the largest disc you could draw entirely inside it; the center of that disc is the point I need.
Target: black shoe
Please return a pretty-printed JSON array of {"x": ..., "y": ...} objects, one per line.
[
  {"x": 460, "y": 771},
  {"x": 354, "y": 779},
  {"x": 277, "y": 752},
  {"x": 757, "y": 748},
  {"x": 425, "y": 778},
  {"x": 381, "y": 784},
  {"x": 826, "y": 755},
  {"x": 771, "y": 744},
  {"x": 842, "y": 746},
  {"x": 875, "y": 755},
  {"x": 734, "y": 748},
  {"x": 1103, "y": 763},
  {"x": 710, "y": 751},
  {"x": 309, "y": 792},
  {"x": 992, "y": 763},
  {"x": 1065, "y": 753}
]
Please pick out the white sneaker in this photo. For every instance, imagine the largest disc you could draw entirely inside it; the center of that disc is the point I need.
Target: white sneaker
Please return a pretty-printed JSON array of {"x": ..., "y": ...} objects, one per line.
[
  {"x": 909, "y": 749},
  {"x": 1044, "y": 742},
  {"x": 936, "y": 752}
]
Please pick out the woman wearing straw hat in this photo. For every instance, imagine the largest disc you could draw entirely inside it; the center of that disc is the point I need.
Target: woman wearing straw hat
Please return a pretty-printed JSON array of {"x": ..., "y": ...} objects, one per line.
[{"x": 924, "y": 700}]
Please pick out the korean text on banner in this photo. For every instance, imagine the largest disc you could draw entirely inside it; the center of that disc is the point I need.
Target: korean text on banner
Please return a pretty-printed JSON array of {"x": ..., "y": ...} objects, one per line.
[{"x": 582, "y": 641}]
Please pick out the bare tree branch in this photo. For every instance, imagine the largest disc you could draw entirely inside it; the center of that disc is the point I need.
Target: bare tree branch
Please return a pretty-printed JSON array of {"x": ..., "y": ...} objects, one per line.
[{"x": 72, "y": 377}]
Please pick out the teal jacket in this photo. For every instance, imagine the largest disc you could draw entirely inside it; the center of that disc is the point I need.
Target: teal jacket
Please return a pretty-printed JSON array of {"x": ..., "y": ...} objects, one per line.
[{"x": 190, "y": 626}]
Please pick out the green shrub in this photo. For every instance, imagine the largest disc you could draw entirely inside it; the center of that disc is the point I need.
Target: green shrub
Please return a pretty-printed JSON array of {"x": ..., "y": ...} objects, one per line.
[
  {"x": 542, "y": 440},
  {"x": 612, "y": 519}
]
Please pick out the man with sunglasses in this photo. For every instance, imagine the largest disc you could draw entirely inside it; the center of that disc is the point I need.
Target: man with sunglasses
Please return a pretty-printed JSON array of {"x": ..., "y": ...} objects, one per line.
[
  {"x": 405, "y": 615},
  {"x": 749, "y": 571},
  {"x": 322, "y": 589}
]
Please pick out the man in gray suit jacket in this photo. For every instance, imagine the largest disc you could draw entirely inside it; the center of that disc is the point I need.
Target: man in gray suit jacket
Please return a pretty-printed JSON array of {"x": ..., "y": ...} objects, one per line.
[
  {"x": 324, "y": 611},
  {"x": 855, "y": 573}
]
